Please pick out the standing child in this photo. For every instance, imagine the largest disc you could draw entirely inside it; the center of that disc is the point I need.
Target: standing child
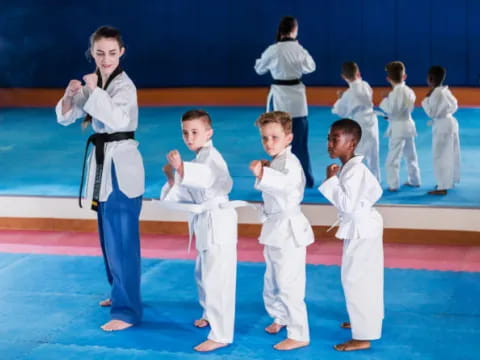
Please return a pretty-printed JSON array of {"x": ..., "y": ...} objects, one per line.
[
  {"x": 356, "y": 103},
  {"x": 353, "y": 190},
  {"x": 440, "y": 104},
  {"x": 205, "y": 181},
  {"x": 285, "y": 233},
  {"x": 401, "y": 129},
  {"x": 287, "y": 61},
  {"x": 116, "y": 174}
]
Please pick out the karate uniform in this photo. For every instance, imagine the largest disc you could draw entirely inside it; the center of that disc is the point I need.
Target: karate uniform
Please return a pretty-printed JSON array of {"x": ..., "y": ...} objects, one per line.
[
  {"x": 206, "y": 181},
  {"x": 286, "y": 233},
  {"x": 288, "y": 60},
  {"x": 356, "y": 104},
  {"x": 354, "y": 192},
  {"x": 440, "y": 106},
  {"x": 401, "y": 129},
  {"x": 114, "y": 110}
]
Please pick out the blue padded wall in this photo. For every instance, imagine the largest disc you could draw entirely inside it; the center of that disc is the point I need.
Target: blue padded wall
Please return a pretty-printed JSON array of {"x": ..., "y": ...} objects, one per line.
[{"x": 215, "y": 42}]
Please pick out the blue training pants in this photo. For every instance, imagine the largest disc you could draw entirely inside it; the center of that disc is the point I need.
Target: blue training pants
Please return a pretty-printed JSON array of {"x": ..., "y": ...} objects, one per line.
[{"x": 300, "y": 147}]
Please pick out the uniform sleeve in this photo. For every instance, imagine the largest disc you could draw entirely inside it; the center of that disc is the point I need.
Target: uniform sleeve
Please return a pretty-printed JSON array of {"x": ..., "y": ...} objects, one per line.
[
  {"x": 113, "y": 111},
  {"x": 175, "y": 193},
  {"x": 262, "y": 65},
  {"x": 343, "y": 196},
  {"x": 276, "y": 182},
  {"x": 440, "y": 103},
  {"x": 199, "y": 176},
  {"x": 340, "y": 107},
  {"x": 75, "y": 112},
  {"x": 308, "y": 64}
]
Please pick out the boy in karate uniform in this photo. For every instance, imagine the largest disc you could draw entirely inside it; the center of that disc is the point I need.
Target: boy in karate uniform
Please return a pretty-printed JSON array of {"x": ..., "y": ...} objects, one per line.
[
  {"x": 353, "y": 190},
  {"x": 401, "y": 129},
  {"x": 356, "y": 103},
  {"x": 206, "y": 181},
  {"x": 286, "y": 232},
  {"x": 440, "y": 104}
]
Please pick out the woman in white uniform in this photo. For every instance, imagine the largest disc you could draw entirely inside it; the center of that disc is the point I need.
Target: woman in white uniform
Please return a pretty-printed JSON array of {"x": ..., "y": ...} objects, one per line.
[
  {"x": 287, "y": 60},
  {"x": 115, "y": 181}
]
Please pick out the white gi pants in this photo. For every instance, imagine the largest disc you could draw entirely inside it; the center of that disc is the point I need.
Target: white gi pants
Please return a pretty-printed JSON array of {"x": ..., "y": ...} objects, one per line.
[
  {"x": 362, "y": 282},
  {"x": 369, "y": 148},
  {"x": 284, "y": 289},
  {"x": 398, "y": 148},
  {"x": 446, "y": 159},
  {"x": 215, "y": 274}
]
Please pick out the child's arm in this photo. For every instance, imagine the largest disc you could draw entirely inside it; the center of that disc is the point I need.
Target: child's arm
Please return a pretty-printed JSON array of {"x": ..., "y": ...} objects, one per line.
[
  {"x": 114, "y": 110},
  {"x": 191, "y": 174},
  {"x": 272, "y": 181},
  {"x": 340, "y": 107}
]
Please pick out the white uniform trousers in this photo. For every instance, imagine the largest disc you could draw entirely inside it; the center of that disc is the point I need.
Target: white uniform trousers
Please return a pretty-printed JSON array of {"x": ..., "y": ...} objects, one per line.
[
  {"x": 362, "y": 282},
  {"x": 398, "y": 148},
  {"x": 284, "y": 289},
  {"x": 215, "y": 275},
  {"x": 369, "y": 148},
  {"x": 446, "y": 160}
]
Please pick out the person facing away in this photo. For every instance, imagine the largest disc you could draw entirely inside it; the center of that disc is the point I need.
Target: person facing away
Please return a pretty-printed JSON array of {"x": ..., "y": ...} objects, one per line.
[
  {"x": 440, "y": 105},
  {"x": 356, "y": 103},
  {"x": 401, "y": 130},
  {"x": 353, "y": 190},
  {"x": 286, "y": 232},
  {"x": 115, "y": 185},
  {"x": 206, "y": 181},
  {"x": 287, "y": 61}
]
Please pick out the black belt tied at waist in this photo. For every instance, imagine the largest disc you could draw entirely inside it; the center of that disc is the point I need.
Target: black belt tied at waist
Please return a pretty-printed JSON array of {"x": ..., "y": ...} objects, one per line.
[
  {"x": 286, "y": 82},
  {"x": 99, "y": 140}
]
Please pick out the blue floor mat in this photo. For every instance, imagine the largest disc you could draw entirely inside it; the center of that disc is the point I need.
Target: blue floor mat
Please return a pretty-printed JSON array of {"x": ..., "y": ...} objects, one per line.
[
  {"x": 40, "y": 157},
  {"x": 48, "y": 310}
]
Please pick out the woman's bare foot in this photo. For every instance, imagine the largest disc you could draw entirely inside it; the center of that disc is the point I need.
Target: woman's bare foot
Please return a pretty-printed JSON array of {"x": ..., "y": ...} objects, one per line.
[
  {"x": 352, "y": 345},
  {"x": 201, "y": 323},
  {"x": 105, "y": 303},
  {"x": 115, "y": 325},
  {"x": 209, "y": 345},
  {"x": 274, "y": 328},
  {"x": 290, "y": 344},
  {"x": 345, "y": 325}
]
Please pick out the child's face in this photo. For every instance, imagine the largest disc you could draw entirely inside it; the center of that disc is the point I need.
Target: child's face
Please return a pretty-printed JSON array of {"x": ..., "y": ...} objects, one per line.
[
  {"x": 274, "y": 138},
  {"x": 107, "y": 52},
  {"x": 196, "y": 133},
  {"x": 340, "y": 145}
]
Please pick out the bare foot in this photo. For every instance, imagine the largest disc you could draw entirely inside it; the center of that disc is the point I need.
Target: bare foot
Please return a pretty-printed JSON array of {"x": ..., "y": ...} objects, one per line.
[
  {"x": 411, "y": 185},
  {"x": 352, "y": 345},
  {"x": 392, "y": 190},
  {"x": 105, "y": 303},
  {"x": 274, "y": 328},
  {"x": 437, "y": 192},
  {"x": 115, "y": 325},
  {"x": 201, "y": 323},
  {"x": 345, "y": 325},
  {"x": 290, "y": 344},
  {"x": 209, "y": 345}
]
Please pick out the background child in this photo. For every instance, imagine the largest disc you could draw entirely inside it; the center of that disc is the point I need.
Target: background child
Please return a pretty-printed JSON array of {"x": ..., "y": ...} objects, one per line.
[
  {"x": 356, "y": 103},
  {"x": 440, "y": 104},
  {"x": 285, "y": 232},
  {"x": 116, "y": 174},
  {"x": 399, "y": 105},
  {"x": 206, "y": 181},
  {"x": 353, "y": 190},
  {"x": 287, "y": 61}
]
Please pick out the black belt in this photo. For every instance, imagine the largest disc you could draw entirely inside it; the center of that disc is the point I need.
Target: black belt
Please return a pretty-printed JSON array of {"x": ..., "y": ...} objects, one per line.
[
  {"x": 286, "y": 82},
  {"x": 99, "y": 140}
]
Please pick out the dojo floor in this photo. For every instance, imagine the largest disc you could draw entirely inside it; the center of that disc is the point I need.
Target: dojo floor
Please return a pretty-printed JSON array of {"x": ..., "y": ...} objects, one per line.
[
  {"x": 40, "y": 157},
  {"x": 50, "y": 283}
]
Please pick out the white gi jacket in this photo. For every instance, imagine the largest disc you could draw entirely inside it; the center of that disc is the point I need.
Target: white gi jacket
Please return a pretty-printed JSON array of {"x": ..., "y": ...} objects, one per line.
[
  {"x": 354, "y": 192},
  {"x": 112, "y": 110},
  {"x": 399, "y": 106},
  {"x": 286, "y": 60},
  {"x": 206, "y": 181},
  {"x": 440, "y": 106},
  {"x": 282, "y": 186}
]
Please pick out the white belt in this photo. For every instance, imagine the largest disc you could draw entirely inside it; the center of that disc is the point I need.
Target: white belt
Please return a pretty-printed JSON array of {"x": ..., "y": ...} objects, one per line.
[
  {"x": 281, "y": 215},
  {"x": 343, "y": 217}
]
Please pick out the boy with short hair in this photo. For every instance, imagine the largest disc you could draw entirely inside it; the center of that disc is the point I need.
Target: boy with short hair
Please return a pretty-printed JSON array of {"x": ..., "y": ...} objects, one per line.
[
  {"x": 440, "y": 104},
  {"x": 353, "y": 190},
  {"x": 286, "y": 232},
  {"x": 356, "y": 103},
  {"x": 399, "y": 105},
  {"x": 206, "y": 182}
]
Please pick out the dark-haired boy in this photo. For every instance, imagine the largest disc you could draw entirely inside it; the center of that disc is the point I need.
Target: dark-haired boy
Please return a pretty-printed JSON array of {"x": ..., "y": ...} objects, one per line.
[{"x": 353, "y": 190}]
